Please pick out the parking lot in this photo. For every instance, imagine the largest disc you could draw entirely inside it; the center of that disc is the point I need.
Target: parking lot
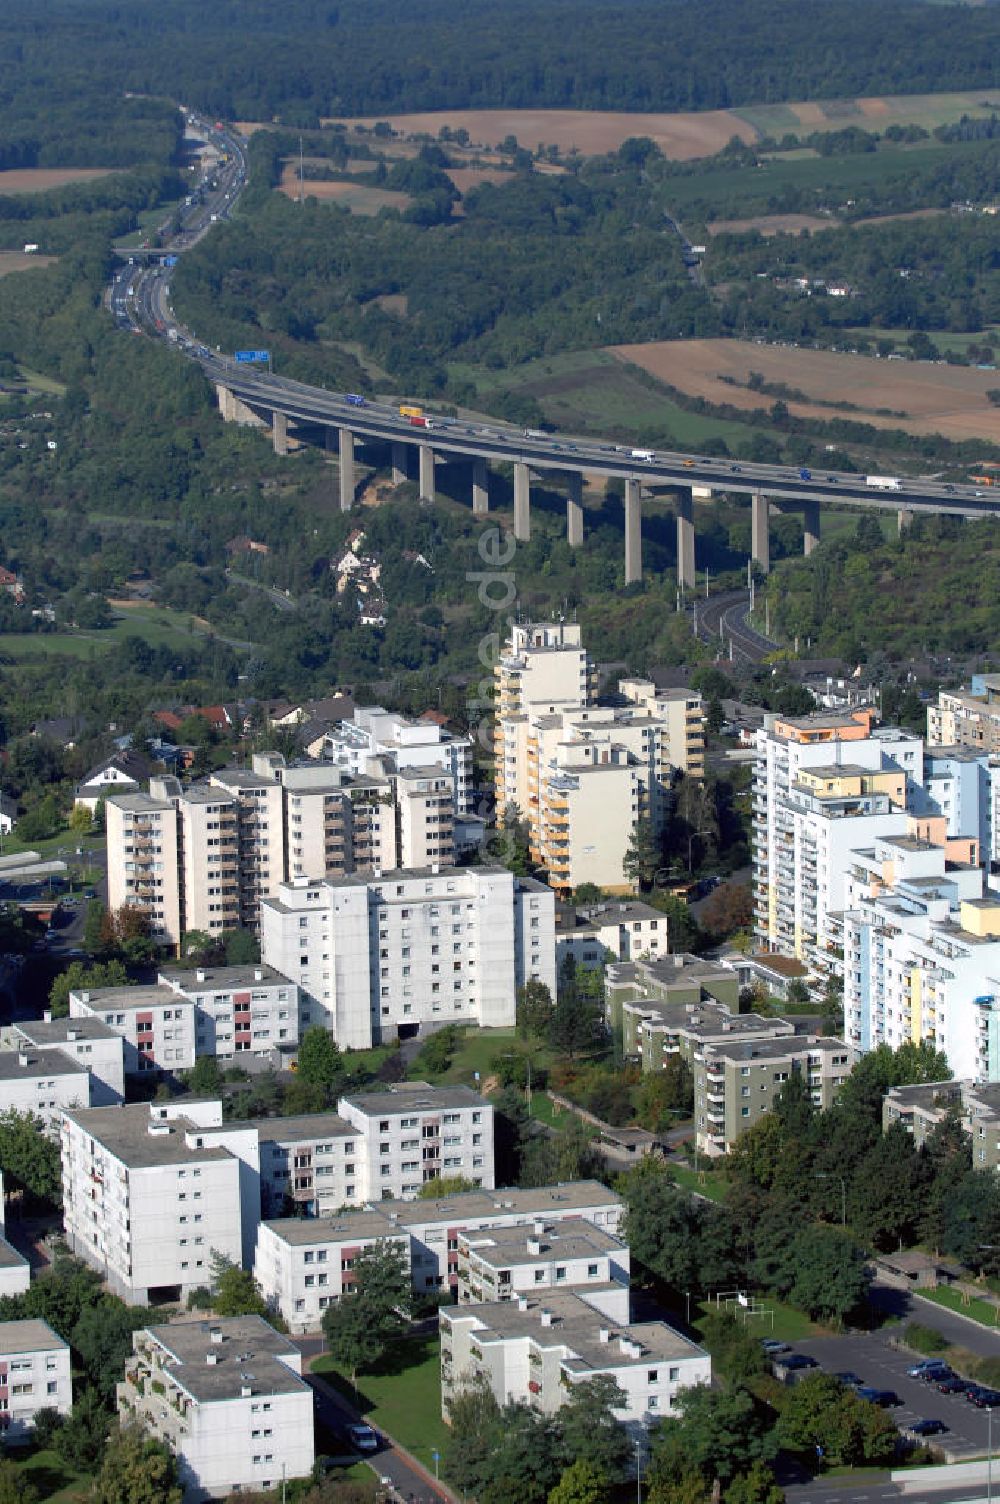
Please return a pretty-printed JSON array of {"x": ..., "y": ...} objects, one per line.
[{"x": 881, "y": 1366}]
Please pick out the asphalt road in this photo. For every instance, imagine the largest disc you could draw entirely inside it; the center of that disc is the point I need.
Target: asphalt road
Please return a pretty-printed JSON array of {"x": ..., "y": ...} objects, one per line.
[{"x": 721, "y": 621}]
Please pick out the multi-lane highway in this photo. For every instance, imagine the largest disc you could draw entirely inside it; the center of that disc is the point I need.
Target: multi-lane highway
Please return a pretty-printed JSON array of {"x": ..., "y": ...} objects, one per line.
[{"x": 140, "y": 298}]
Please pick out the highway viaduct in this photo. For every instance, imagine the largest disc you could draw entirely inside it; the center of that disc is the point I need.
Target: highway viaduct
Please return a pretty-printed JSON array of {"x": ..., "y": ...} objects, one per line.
[{"x": 280, "y": 405}]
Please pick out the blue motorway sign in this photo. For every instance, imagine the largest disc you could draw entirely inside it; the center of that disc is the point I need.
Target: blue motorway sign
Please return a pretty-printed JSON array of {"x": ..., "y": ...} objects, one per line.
[{"x": 247, "y": 356}]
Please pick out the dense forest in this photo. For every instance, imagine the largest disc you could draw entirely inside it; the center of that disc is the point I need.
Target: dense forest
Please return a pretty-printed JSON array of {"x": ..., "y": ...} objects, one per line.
[
  {"x": 249, "y": 59},
  {"x": 861, "y": 594}
]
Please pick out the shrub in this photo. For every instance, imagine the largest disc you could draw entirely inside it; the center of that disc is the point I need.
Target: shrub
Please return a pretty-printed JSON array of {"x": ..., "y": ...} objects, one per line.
[{"x": 925, "y": 1339}]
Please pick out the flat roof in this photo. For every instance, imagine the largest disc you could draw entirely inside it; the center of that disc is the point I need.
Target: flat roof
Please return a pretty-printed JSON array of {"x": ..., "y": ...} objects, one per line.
[
  {"x": 772, "y": 1049},
  {"x": 415, "y": 1096},
  {"x": 10, "y": 1258},
  {"x": 49, "y": 1031},
  {"x": 130, "y": 998},
  {"x": 574, "y": 1238},
  {"x": 49, "y": 1062},
  {"x": 28, "y": 1337},
  {"x": 213, "y": 978},
  {"x": 457, "y": 1210},
  {"x": 248, "y": 1355},
  {"x": 577, "y": 1325},
  {"x": 138, "y": 804},
  {"x": 308, "y": 1126},
  {"x": 124, "y": 1132}
]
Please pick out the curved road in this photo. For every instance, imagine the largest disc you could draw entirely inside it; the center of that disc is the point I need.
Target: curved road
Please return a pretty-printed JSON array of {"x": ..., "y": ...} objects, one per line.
[
  {"x": 139, "y": 297},
  {"x": 722, "y": 619}
]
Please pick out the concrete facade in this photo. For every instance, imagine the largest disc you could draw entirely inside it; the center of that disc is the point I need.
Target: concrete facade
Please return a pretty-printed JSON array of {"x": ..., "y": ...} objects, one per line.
[
  {"x": 415, "y": 1133},
  {"x": 34, "y": 1375},
  {"x": 537, "y": 1348},
  {"x": 737, "y": 1081},
  {"x": 227, "y": 1397},
  {"x": 382, "y": 957},
  {"x": 303, "y": 1265}
]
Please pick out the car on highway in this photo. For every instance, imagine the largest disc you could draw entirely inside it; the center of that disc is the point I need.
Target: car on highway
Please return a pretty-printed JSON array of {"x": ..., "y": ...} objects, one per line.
[
  {"x": 926, "y": 1427},
  {"x": 363, "y": 1437}
]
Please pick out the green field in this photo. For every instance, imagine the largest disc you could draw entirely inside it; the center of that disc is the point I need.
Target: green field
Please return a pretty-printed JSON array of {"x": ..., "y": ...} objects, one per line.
[
  {"x": 402, "y": 1398},
  {"x": 944, "y": 339},
  {"x": 701, "y": 1181},
  {"x": 741, "y": 193},
  {"x": 789, "y": 1324},
  {"x": 928, "y": 110},
  {"x": 39, "y": 383},
  {"x": 157, "y": 625}
]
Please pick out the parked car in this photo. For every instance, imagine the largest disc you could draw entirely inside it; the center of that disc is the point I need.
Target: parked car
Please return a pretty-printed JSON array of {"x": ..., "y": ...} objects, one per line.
[
  {"x": 774, "y": 1348},
  {"x": 795, "y": 1361},
  {"x": 363, "y": 1438},
  {"x": 886, "y": 1399},
  {"x": 927, "y": 1428},
  {"x": 849, "y": 1379},
  {"x": 982, "y": 1398},
  {"x": 924, "y": 1366},
  {"x": 951, "y": 1385}
]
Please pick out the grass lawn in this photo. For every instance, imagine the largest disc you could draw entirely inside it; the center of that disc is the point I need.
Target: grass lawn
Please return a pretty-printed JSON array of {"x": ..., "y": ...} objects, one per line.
[
  {"x": 702, "y": 1181},
  {"x": 39, "y": 383},
  {"x": 55, "y": 1481},
  {"x": 64, "y": 843},
  {"x": 157, "y": 625},
  {"x": 790, "y": 1324},
  {"x": 944, "y": 339},
  {"x": 402, "y": 1398},
  {"x": 983, "y": 1311},
  {"x": 477, "y": 1048}
]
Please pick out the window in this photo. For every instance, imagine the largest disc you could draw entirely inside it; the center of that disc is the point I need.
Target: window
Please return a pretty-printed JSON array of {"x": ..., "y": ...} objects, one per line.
[{"x": 653, "y": 1376}]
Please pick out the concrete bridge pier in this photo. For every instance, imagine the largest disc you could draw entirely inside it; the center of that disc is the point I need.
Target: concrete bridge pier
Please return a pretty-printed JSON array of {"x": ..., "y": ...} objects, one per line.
[
  {"x": 810, "y": 527},
  {"x": 760, "y": 543},
  {"x": 347, "y": 481},
  {"x": 574, "y": 509},
  {"x": 227, "y": 403},
  {"x": 522, "y": 502},
  {"x": 426, "y": 473},
  {"x": 904, "y": 519},
  {"x": 685, "y": 538},
  {"x": 633, "y": 533},
  {"x": 480, "y": 487},
  {"x": 398, "y": 462},
  {"x": 279, "y": 432}
]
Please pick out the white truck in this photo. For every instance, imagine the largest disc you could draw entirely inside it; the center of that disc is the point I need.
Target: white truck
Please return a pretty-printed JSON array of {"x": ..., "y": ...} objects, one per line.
[
  {"x": 883, "y": 482},
  {"x": 646, "y": 455}
]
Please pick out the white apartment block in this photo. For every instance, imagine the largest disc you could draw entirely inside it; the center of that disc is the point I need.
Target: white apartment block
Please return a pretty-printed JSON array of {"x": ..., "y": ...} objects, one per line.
[
  {"x": 311, "y": 1166},
  {"x": 250, "y": 1012},
  {"x": 302, "y": 1265},
  {"x": 536, "y": 1348},
  {"x": 156, "y": 1024},
  {"x": 42, "y": 1082},
  {"x": 582, "y": 775},
  {"x": 143, "y": 846},
  {"x": 34, "y": 1375},
  {"x": 602, "y": 932},
  {"x": 922, "y": 955},
  {"x": 150, "y": 1192},
  {"x": 97, "y": 1048},
  {"x": 823, "y": 784},
  {"x": 414, "y": 1133},
  {"x": 202, "y": 856},
  {"x": 507, "y": 1263},
  {"x": 381, "y": 957},
  {"x": 378, "y": 740},
  {"x": 228, "y": 1398},
  {"x": 15, "y": 1271}
]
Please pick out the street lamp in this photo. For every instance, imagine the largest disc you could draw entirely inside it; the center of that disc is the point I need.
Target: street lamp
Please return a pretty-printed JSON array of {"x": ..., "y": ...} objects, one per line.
[
  {"x": 989, "y": 1454},
  {"x": 639, "y": 1454},
  {"x": 823, "y": 1175}
]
